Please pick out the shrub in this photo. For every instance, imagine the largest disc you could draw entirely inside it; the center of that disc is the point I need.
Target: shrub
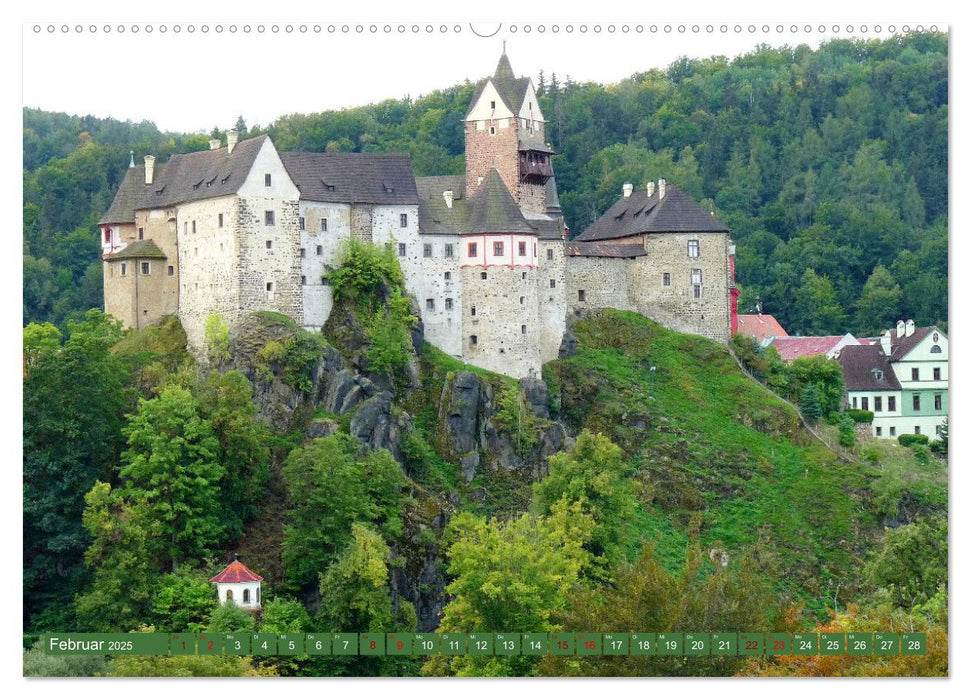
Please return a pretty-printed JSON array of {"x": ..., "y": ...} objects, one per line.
[
  {"x": 909, "y": 440},
  {"x": 217, "y": 338},
  {"x": 922, "y": 454},
  {"x": 847, "y": 430},
  {"x": 515, "y": 416},
  {"x": 270, "y": 354},
  {"x": 860, "y": 416}
]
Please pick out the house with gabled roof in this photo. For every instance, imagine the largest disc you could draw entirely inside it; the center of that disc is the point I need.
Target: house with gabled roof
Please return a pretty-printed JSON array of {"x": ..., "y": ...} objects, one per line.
[{"x": 902, "y": 379}]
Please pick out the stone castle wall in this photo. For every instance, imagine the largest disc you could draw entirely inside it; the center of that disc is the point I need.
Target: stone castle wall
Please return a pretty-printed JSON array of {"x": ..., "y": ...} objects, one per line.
[
  {"x": 320, "y": 250},
  {"x": 675, "y": 306},
  {"x": 504, "y": 302},
  {"x": 485, "y": 151},
  {"x": 208, "y": 271},
  {"x": 551, "y": 300},
  {"x": 637, "y": 284},
  {"x": 440, "y": 281}
]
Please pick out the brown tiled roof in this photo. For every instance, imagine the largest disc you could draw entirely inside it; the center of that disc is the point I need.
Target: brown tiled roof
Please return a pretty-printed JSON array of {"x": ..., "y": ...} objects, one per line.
[
  {"x": 549, "y": 227},
  {"x": 490, "y": 210},
  {"x": 597, "y": 249},
  {"x": 760, "y": 326},
  {"x": 353, "y": 178},
  {"x": 791, "y": 347},
  {"x": 493, "y": 210},
  {"x": 189, "y": 177},
  {"x": 859, "y": 362},
  {"x": 637, "y": 214},
  {"x": 235, "y": 573},
  {"x": 139, "y": 249},
  {"x": 511, "y": 89},
  {"x": 901, "y": 345},
  {"x": 130, "y": 192}
]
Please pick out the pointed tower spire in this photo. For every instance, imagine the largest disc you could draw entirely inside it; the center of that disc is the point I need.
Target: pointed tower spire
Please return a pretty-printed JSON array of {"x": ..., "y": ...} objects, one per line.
[
  {"x": 131, "y": 163},
  {"x": 504, "y": 67}
]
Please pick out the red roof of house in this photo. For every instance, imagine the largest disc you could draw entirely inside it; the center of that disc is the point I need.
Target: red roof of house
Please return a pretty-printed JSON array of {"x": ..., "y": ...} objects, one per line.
[
  {"x": 804, "y": 346},
  {"x": 235, "y": 573},
  {"x": 760, "y": 326}
]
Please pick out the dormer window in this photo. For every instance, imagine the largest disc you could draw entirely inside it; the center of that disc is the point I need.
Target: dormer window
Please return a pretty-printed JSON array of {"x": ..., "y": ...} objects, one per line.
[{"x": 877, "y": 374}]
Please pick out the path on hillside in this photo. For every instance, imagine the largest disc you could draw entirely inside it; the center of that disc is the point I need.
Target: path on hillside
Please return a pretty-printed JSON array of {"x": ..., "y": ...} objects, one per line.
[{"x": 842, "y": 454}]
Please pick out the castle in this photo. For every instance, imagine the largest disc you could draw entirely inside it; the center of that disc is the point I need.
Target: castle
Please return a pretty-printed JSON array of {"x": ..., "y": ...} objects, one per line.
[{"x": 243, "y": 227}]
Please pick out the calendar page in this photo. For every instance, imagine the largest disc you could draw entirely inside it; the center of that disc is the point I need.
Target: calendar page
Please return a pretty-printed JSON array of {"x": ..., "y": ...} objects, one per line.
[{"x": 524, "y": 348}]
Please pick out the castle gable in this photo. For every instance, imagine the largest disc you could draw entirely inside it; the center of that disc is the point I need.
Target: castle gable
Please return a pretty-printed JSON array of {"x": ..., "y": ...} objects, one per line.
[
  {"x": 353, "y": 178},
  {"x": 503, "y": 84},
  {"x": 641, "y": 213},
  {"x": 189, "y": 177}
]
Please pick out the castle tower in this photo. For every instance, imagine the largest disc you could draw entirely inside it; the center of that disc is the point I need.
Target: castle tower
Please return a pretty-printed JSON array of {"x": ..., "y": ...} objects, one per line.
[{"x": 506, "y": 130}]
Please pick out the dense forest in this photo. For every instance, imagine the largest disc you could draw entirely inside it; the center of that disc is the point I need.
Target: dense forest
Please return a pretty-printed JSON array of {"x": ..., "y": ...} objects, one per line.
[{"x": 829, "y": 165}]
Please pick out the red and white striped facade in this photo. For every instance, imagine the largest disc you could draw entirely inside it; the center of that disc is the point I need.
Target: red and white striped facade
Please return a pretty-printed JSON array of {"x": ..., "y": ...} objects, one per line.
[{"x": 498, "y": 250}]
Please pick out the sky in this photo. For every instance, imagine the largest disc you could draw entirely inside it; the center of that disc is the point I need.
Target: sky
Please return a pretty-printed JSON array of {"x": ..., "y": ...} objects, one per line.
[{"x": 197, "y": 75}]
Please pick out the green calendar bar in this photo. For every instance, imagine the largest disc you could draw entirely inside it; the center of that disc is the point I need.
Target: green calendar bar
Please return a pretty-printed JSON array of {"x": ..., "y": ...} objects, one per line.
[
  {"x": 751, "y": 644},
  {"x": 805, "y": 643},
  {"x": 182, "y": 644},
  {"x": 236, "y": 643},
  {"x": 778, "y": 643},
  {"x": 508, "y": 644},
  {"x": 886, "y": 644},
  {"x": 372, "y": 644},
  {"x": 426, "y": 643},
  {"x": 343, "y": 644},
  {"x": 290, "y": 644},
  {"x": 588, "y": 643},
  {"x": 400, "y": 643},
  {"x": 74, "y": 643},
  {"x": 562, "y": 644},
  {"x": 317, "y": 645},
  {"x": 454, "y": 644},
  {"x": 724, "y": 643},
  {"x": 616, "y": 644},
  {"x": 535, "y": 644},
  {"x": 209, "y": 644},
  {"x": 643, "y": 644},
  {"x": 481, "y": 644},
  {"x": 913, "y": 643},
  {"x": 263, "y": 645},
  {"x": 697, "y": 644},
  {"x": 832, "y": 643},
  {"x": 687, "y": 644},
  {"x": 859, "y": 643}
]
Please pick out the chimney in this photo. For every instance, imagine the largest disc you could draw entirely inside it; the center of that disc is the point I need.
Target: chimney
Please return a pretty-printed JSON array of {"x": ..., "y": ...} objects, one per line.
[
  {"x": 650, "y": 188},
  {"x": 660, "y": 189},
  {"x": 901, "y": 327},
  {"x": 909, "y": 328},
  {"x": 628, "y": 188},
  {"x": 885, "y": 343},
  {"x": 149, "y": 169},
  {"x": 232, "y": 136},
  {"x": 214, "y": 144},
  {"x": 448, "y": 194}
]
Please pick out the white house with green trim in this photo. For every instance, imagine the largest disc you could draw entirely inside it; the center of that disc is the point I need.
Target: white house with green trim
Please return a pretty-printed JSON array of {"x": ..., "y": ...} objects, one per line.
[{"x": 902, "y": 378}]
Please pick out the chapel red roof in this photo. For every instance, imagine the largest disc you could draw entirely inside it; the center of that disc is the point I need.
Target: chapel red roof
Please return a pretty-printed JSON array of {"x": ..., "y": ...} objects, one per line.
[
  {"x": 805, "y": 346},
  {"x": 760, "y": 326},
  {"x": 235, "y": 573}
]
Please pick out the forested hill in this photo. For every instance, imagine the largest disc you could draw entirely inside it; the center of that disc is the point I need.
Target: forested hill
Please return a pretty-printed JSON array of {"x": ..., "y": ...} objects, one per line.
[{"x": 830, "y": 166}]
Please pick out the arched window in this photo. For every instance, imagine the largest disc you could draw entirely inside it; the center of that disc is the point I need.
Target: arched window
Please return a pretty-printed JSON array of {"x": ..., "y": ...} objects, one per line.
[
  {"x": 935, "y": 349},
  {"x": 229, "y": 594},
  {"x": 245, "y": 595}
]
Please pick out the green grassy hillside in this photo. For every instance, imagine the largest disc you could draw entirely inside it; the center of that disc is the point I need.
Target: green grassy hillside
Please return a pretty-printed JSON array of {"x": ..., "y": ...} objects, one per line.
[{"x": 718, "y": 454}]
